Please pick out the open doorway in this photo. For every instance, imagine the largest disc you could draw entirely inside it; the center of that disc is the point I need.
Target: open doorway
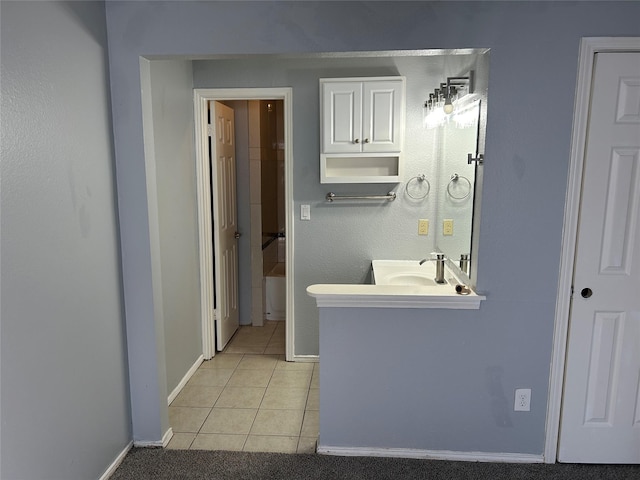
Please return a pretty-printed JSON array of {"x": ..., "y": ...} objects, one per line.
[
  {"x": 278, "y": 236},
  {"x": 271, "y": 290}
]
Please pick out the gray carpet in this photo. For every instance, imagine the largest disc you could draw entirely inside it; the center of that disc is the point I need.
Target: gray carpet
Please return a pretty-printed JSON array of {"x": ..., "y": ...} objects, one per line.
[{"x": 159, "y": 464}]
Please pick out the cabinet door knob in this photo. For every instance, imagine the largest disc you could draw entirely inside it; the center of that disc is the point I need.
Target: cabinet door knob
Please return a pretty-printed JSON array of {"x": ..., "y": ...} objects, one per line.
[
  {"x": 357, "y": 140},
  {"x": 366, "y": 140}
]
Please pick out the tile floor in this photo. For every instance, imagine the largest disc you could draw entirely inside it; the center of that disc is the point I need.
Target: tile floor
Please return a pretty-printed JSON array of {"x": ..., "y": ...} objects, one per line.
[{"x": 248, "y": 398}]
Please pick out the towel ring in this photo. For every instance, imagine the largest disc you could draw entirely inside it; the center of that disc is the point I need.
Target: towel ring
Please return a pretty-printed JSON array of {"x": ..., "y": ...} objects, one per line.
[
  {"x": 454, "y": 179},
  {"x": 419, "y": 178}
]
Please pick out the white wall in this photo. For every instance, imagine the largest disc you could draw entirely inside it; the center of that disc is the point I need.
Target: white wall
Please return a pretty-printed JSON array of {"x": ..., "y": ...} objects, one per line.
[{"x": 65, "y": 399}]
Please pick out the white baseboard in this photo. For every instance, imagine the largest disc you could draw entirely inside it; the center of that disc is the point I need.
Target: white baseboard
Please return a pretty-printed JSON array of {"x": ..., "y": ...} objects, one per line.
[
  {"x": 429, "y": 454},
  {"x": 306, "y": 358},
  {"x": 185, "y": 379},
  {"x": 116, "y": 463},
  {"x": 155, "y": 443},
  {"x": 168, "y": 435}
]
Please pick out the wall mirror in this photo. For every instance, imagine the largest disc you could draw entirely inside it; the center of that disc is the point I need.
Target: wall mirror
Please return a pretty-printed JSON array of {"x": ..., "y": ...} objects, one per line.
[
  {"x": 454, "y": 121},
  {"x": 457, "y": 150}
]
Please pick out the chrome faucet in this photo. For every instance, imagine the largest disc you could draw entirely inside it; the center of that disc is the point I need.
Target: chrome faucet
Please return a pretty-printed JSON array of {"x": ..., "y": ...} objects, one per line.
[{"x": 439, "y": 259}]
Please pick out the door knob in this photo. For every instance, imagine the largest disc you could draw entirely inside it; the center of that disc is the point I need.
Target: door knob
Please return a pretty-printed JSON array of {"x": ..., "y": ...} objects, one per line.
[
  {"x": 237, "y": 234},
  {"x": 586, "y": 292}
]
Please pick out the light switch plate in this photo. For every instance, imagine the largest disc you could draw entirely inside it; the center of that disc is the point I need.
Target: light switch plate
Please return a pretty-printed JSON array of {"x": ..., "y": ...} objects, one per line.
[{"x": 305, "y": 212}]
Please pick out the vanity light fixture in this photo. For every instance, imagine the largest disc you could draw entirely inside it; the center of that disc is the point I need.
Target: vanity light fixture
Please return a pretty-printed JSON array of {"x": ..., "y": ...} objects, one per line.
[{"x": 449, "y": 92}]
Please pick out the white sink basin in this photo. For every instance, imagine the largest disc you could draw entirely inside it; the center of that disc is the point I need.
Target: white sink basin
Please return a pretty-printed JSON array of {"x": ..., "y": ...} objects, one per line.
[
  {"x": 406, "y": 272},
  {"x": 408, "y": 279}
]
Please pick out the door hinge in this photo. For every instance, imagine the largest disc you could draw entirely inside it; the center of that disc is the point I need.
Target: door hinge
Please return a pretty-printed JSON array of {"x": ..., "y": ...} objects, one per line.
[{"x": 211, "y": 130}]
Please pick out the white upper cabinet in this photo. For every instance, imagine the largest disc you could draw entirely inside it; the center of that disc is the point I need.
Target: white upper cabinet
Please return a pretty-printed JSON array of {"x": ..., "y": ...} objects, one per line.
[{"x": 362, "y": 129}]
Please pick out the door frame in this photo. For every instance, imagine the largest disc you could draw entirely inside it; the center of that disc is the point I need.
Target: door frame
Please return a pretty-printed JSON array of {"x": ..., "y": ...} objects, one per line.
[
  {"x": 201, "y": 98},
  {"x": 589, "y": 46}
]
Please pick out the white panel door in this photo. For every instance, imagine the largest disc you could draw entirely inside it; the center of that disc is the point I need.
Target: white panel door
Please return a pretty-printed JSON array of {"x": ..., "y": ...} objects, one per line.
[
  {"x": 601, "y": 401},
  {"x": 224, "y": 223}
]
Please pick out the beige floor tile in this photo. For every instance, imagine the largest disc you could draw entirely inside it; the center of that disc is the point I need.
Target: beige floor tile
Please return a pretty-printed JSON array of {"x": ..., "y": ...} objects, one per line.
[
  {"x": 313, "y": 400},
  {"x": 285, "y": 398},
  {"x": 181, "y": 441},
  {"x": 197, "y": 396},
  {"x": 310, "y": 424},
  {"x": 250, "y": 378},
  {"x": 240, "y": 397},
  {"x": 271, "y": 443},
  {"x": 307, "y": 445},
  {"x": 277, "y": 422},
  {"x": 229, "y": 420},
  {"x": 315, "y": 378},
  {"x": 223, "y": 360},
  {"x": 290, "y": 379},
  {"x": 211, "y": 377},
  {"x": 299, "y": 366},
  {"x": 247, "y": 331},
  {"x": 254, "y": 350},
  {"x": 187, "y": 419},
  {"x": 208, "y": 441},
  {"x": 270, "y": 350},
  {"x": 258, "y": 362},
  {"x": 250, "y": 340}
]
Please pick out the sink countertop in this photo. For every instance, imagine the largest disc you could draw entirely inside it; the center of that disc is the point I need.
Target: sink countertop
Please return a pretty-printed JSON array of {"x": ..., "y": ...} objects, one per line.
[
  {"x": 392, "y": 296},
  {"x": 388, "y": 295}
]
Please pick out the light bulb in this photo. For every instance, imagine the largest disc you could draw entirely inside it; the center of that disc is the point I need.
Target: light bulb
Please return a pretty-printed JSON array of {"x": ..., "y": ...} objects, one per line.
[{"x": 448, "y": 106}]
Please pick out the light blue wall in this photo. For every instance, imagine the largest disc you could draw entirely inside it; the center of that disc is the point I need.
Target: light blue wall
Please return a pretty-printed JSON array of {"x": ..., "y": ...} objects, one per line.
[
  {"x": 425, "y": 379},
  {"x": 65, "y": 400},
  {"x": 172, "y": 158},
  {"x": 534, "y": 51}
]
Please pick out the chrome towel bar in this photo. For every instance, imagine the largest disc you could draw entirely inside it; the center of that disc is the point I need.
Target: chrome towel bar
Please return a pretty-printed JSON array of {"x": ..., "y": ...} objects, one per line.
[{"x": 391, "y": 196}]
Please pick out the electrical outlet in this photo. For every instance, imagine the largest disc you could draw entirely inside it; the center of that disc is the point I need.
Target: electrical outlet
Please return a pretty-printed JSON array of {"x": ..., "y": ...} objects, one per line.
[
  {"x": 447, "y": 226},
  {"x": 523, "y": 400},
  {"x": 423, "y": 227}
]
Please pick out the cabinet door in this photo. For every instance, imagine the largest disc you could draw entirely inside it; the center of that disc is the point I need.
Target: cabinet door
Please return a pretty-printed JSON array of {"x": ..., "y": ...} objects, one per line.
[
  {"x": 342, "y": 117},
  {"x": 382, "y": 118}
]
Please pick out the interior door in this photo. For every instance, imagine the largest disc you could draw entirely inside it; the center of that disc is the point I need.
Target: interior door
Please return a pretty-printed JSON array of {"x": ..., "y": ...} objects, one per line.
[
  {"x": 600, "y": 420},
  {"x": 224, "y": 222}
]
